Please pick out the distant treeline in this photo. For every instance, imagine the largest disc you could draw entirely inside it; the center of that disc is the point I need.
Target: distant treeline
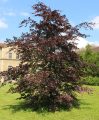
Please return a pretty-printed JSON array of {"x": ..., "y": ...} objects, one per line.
[{"x": 90, "y": 55}]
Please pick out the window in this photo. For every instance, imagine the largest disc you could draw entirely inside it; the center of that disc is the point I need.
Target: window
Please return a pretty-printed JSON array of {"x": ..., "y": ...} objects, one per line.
[
  {"x": 9, "y": 77},
  {"x": 17, "y": 56},
  {"x": 10, "y": 55},
  {"x": 9, "y": 67}
]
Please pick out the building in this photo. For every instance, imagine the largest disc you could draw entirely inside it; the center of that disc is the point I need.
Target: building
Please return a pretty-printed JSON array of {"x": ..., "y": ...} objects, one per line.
[
  {"x": 8, "y": 57},
  {"x": 95, "y": 49}
]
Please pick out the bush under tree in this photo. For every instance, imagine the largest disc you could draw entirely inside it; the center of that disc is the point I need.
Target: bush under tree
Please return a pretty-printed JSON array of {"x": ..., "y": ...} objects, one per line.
[{"x": 50, "y": 69}]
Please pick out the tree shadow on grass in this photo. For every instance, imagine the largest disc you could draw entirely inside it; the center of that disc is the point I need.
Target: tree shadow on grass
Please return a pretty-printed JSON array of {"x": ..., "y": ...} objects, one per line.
[{"x": 23, "y": 106}]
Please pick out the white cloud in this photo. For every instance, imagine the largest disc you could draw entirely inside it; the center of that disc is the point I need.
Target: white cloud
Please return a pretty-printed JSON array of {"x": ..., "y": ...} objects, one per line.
[
  {"x": 81, "y": 42},
  {"x": 96, "y": 21},
  {"x": 3, "y": 24},
  {"x": 25, "y": 14},
  {"x": 10, "y": 14}
]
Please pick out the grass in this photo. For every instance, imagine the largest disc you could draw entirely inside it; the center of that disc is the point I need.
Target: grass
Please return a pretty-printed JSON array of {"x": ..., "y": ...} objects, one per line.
[{"x": 11, "y": 110}]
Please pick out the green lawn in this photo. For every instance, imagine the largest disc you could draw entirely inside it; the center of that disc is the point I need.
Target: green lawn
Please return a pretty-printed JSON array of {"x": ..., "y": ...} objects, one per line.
[{"x": 10, "y": 109}]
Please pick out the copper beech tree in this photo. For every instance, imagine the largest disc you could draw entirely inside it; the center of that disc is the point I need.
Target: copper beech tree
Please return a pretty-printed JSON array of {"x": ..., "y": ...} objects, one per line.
[{"x": 50, "y": 69}]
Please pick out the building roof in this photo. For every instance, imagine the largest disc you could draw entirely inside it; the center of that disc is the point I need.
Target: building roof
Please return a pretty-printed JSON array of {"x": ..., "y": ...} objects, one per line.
[
  {"x": 2, "y": 45},
  {"x": 96, "y": 49}
]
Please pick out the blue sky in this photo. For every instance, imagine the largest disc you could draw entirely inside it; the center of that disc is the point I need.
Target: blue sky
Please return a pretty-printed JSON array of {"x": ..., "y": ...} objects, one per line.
[{"x": 12, "y": 12}]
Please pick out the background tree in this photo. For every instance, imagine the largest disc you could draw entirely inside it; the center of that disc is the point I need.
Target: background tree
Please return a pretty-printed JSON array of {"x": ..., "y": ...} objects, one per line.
[
  {"x": 50, "y": 69},
  {"x": 91, "y": 56}
]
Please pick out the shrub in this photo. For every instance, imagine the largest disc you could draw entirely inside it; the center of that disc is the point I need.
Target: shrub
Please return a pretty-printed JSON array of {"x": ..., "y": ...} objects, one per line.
[{"x": 90, "y": 80}]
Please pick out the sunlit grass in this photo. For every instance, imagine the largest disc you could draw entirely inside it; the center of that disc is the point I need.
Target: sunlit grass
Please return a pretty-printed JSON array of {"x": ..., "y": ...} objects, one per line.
[{"x": 10, "y": 109}]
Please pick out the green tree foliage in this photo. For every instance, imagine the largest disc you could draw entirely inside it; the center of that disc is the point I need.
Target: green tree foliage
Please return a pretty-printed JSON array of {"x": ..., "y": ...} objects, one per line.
[
  {"x": 91, "y": 57},
  {"x": 50, "y": 69}
]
